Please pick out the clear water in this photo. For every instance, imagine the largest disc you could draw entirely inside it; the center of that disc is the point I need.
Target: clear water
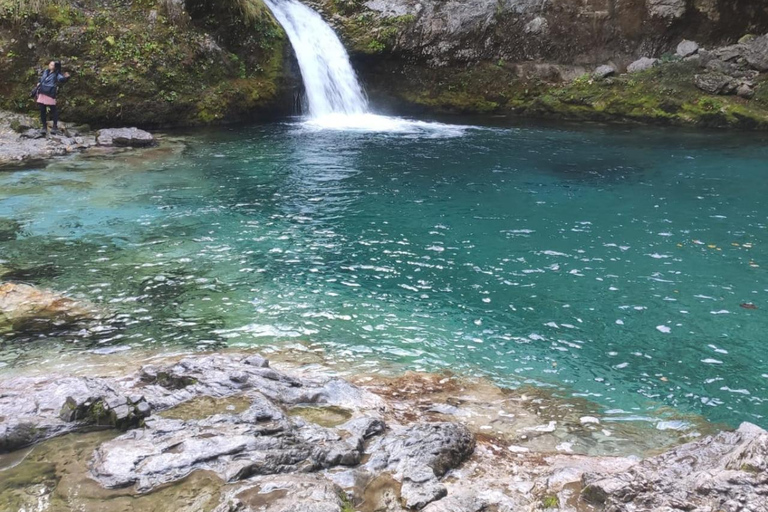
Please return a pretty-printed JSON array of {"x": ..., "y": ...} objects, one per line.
[{"x": 602, "y": 263}]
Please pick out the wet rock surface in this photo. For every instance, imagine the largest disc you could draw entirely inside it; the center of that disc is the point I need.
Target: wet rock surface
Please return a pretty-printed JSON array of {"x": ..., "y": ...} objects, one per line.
[
  {"x": 227, "y": 432},
  {"x": 726, "y": 472},
  {"x": 124, "y": 137},
  {"x": 23, "y": 142}
]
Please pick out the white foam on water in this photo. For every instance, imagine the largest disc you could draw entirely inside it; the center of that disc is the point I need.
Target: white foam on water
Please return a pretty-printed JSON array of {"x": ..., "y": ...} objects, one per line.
[
  {"x": 373, "y": 123},
  {"x": 335, "y": 98}
]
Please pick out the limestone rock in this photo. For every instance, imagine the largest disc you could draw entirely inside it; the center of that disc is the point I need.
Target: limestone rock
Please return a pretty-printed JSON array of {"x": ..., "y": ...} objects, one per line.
[
  {"x": 745, "y": 91},
  {"x": 756, "y": 53},
  {"x": 537, "y": 26},
  {"x": 284, "y": 493},
  {"x": 642, "y": 64},
  {"x": 670, "y": 9},
  {"x": 716, "y": 83},
  {"x": 124, "y": 137},
  {"x": 34, "y": 409},
  {"x": 33, "y": 309},
  {"x": 419, "y": 455},
  {"x": 604, "y": 71},
  {"x": 687, "y": 48},
  {"x": 723, "y": 472}
]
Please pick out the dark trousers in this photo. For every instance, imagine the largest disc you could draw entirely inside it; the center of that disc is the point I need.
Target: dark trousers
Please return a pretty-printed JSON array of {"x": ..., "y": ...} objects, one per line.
[{"x": 54, "y": 115}]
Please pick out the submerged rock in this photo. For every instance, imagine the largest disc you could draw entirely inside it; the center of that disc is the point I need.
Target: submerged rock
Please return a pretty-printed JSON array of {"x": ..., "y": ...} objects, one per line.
[
  {"x": 24, "y": 307},
  {"x": 9, "y": 229},
  {"x": 728, "y": 472}
]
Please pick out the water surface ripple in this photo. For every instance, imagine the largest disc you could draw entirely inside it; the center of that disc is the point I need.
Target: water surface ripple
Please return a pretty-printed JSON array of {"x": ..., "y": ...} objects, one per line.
[{"x": 602, "y": 263}]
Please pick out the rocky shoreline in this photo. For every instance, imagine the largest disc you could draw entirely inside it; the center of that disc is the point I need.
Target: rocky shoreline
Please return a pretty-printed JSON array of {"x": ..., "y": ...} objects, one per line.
[
  {"x": 228, "y": 431},
  {"x": 23, "y": 142}
]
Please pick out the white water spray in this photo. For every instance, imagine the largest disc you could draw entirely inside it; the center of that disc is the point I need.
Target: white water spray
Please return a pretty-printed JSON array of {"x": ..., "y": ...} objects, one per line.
[
  {"x": 330, "y": 82},
  {"x": 335, "y": 96}
]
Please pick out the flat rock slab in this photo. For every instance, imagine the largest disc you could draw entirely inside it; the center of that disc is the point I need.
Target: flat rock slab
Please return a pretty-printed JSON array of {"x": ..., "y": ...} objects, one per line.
[
  {"x": 727, "y": 472},
  {"x": 285, "y": 493}
]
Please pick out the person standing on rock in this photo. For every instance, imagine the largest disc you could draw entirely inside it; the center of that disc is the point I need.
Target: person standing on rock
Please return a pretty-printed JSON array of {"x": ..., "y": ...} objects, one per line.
[{"x": 47, "y": 88}]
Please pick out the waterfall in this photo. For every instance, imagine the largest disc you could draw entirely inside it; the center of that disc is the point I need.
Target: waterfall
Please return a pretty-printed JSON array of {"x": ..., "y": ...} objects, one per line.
[{"x": 330, "y": 82}]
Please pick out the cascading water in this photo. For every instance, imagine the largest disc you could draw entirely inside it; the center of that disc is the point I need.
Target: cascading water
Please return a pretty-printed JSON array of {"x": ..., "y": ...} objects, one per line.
[
  {"x": 330, "y": 82},
  {"x": 335, "y": 97}
]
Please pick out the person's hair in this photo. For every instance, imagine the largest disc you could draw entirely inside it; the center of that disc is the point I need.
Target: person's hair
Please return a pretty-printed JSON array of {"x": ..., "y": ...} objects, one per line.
[{"x": 56, "y": 66}]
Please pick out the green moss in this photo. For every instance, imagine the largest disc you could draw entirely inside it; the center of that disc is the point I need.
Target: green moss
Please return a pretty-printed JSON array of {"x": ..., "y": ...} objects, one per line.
[
  {"x": 346, "y": 504},
  {"x": 663, "y": 95},
  {"x": 550, "y": 501},
  {"x": 128, "y": 68}
]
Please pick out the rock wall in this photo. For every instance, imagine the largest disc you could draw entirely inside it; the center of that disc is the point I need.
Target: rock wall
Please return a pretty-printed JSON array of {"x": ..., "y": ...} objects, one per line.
[
  {"x": 540, "y": 58},
  {"x": 574, "y": 32}
]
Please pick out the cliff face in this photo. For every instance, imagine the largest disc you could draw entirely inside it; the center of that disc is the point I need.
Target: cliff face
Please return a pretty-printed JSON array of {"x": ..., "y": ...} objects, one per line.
[
  {"x": 536, "y": 57},
  {"x": 146, "y": 62},
  {"x": 572, "y": 32},
  {"x": 188, "y": 62}
]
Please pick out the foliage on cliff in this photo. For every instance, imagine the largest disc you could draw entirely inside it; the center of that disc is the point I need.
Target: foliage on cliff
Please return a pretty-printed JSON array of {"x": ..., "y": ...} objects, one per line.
[
  {"x": 146, "y": 62},
  {"x": 662, "y": 95}
]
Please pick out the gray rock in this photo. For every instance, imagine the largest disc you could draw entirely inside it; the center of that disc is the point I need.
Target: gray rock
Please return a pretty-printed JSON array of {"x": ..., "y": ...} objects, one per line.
[
  {"x": 256, "y": 360},
  {"x": 35, "y": 409},
  {"x": 259, "y": 441},
  {"x": 716, "y": 83},
  {"x": 537, "y": 26},
  {"x": 723, "y": 472},
  {"x": 670, "y": 9},
  {"x": 604, "y": 71},
  {"x": 756, "y": 53},
  {"x": 34, "y": 133},
  {"x": 642, "y": 64},
  {"x": 687, "y": 48},
  {"x": 419, "y": 455},
  {"x": 124, "y": 137},
  {"x": 284, "y": 493},
  {"x": 466, "y": 502},
  {"x": 745, "y": 91},
  {"x": 419, "y": 495}
]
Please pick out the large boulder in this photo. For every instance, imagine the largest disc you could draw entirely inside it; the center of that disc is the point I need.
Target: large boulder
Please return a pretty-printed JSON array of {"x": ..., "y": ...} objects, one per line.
[
  {"x": 124, "y": 137},
  {"x": 604, "y": 71},
  {"x": 418, "y": 456},
  {"x": 24, "y": 307},
  {"x": 757, "y": 53},
  {"x": 723, "y": 472},
  {"x": 716, "y": 83},
  {"x": 35, "y": 409},
  {"x": 642, "y": 64},
  {"x": 687, "y": 48}
]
